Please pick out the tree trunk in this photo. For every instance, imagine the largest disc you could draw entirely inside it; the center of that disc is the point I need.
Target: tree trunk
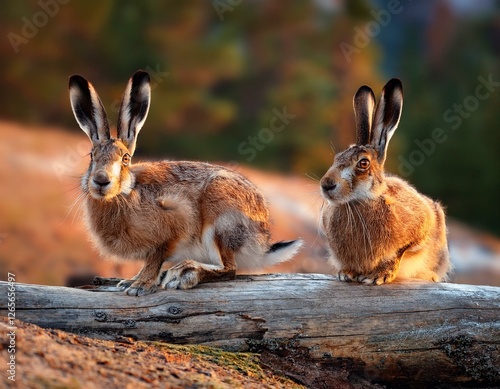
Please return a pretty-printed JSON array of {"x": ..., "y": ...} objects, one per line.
[{"x": 412, "y": 334}]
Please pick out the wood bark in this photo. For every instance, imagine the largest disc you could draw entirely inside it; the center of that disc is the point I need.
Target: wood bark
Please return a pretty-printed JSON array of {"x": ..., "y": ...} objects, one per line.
[{"x": 412, "y": 334}]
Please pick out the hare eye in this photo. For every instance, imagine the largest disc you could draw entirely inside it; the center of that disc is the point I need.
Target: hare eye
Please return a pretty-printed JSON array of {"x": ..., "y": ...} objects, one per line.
[
  {"x": 126, "y": 159},
  {"x": 363, "y": 164}
]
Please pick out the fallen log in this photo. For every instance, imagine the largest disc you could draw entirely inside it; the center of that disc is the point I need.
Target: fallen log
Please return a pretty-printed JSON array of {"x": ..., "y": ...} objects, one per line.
[{"x": 412, "y": 334}]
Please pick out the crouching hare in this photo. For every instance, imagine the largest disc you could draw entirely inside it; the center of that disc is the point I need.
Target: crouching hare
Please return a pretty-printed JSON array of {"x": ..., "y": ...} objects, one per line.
[
  {"x": 379, "y": 227},
  {"x": 208, "y": 219}
]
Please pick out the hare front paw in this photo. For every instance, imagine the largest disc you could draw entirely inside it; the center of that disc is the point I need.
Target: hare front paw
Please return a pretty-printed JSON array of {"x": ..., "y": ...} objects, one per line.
[
  {"x": 378, "y": 278},
  {"x": 125, "y": 284},
  {"x": 185, "y": 275},
  {"x": 347, "y": 276},
  {"x": 140, "y": 288}
]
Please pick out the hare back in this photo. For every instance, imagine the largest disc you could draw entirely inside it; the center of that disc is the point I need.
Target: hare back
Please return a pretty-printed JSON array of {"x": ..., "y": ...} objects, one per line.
[
  {"x": 362, "y": 233},
  {"x": 181, "y": 207}
]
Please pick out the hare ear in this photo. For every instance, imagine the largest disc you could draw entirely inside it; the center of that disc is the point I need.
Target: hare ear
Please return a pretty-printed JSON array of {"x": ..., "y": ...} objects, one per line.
[
  {"x": 88, "y": 109},
  {"x": 364, "y": 105},
  {"x": 387, "y": 117},
  {"x": 134, "y": 109}
]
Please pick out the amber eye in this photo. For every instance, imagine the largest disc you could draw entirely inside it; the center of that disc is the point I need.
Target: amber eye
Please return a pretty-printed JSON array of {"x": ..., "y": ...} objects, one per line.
[
  {"x": 126, "y": 159},
  {"x": 363, "y": 164}
]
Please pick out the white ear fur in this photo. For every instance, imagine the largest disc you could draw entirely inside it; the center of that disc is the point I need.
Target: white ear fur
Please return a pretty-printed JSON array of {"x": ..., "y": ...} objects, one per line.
[
  {"x": 387, "y": 117},
  {"x": 88, "y": 109},
  {"x": 134, "y": 109}
]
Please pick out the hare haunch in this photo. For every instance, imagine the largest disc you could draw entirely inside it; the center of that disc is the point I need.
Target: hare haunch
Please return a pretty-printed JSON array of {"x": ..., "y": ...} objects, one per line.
[
  {"x": 379, "y": 227},
  {"x": 208, "y": 219}
]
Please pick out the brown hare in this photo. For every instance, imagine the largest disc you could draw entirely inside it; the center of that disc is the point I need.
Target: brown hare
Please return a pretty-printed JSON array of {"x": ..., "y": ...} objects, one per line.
[
  {"x": 378, "y": 226},
  {"x": 208, "y": 219}
]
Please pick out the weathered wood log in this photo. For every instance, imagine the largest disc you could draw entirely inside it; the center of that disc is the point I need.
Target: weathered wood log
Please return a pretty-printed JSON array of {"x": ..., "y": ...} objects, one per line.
[{"x": 411, "y": 334}]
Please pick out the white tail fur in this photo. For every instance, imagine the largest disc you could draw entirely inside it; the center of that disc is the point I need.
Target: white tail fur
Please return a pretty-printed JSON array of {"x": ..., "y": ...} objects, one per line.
[{"x": 282, "y": 251}]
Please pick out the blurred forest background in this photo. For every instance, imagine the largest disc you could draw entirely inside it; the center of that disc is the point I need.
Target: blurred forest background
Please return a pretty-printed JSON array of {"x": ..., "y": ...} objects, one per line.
[{"x": 269, "y": 84}]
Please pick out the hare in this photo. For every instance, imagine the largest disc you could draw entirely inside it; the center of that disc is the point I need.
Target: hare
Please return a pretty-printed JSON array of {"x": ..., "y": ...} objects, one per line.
[
  {"x": 378, "y": 227},
  {"x": 207, "y": 219}
]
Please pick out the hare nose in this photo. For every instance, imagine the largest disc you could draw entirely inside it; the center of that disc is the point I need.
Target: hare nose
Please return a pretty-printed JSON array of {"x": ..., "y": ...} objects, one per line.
[
  {"x": 327, "y": 184},
  {"x": 101, "y": 178}
]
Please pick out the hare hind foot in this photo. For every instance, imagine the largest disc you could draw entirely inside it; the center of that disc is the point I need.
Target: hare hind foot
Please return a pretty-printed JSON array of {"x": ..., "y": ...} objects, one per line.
[
  {"x": 184, "y": 275},
  {"x": 188, "y": 274}
]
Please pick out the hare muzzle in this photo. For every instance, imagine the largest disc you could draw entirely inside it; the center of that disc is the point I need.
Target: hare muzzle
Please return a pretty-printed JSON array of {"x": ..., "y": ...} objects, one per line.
[
  {"x": 104, "y": 181},
  {"x": 336, "y": 186},
  {"x": 328, "y": 186},
  {"x": 101, "y": 179},
  {"x": 101, "y": 185}
]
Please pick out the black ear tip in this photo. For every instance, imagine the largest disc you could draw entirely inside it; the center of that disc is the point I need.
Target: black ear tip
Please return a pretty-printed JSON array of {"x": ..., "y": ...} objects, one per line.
[
  {"x": 364, "y": 89},
  {"x": 393, "y": 85},
  {"x": 140, "y": 77},
  {"x": 79, "y": 81}
]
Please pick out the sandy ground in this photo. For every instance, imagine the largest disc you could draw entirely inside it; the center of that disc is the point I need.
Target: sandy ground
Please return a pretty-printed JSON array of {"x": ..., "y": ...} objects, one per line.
[{"x": 55, "y": 359}]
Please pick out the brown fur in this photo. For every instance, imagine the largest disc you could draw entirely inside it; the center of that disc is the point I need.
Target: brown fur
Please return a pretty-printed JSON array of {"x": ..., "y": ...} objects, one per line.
[
  {"x": 379, "y": 227},
  {"x": 207, "y": 218}
]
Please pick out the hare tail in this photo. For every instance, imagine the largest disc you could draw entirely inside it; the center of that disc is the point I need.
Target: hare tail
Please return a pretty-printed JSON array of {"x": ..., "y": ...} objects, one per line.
[{"x": 282, "y": 251}]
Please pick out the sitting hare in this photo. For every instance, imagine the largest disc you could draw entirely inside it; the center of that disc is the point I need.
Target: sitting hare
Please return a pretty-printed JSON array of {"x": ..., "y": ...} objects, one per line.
[
  {"x": 379, "y": 227},
  {"x": 208, "y": 219}
]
